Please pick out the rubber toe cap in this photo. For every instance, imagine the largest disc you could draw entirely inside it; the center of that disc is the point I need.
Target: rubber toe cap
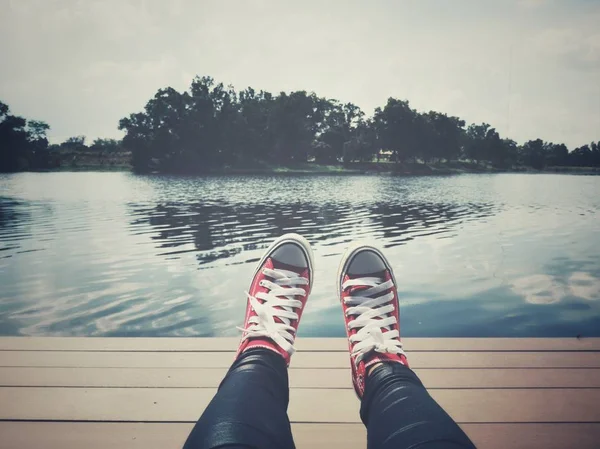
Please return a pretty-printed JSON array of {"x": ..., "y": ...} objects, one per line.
[
  {"x": 290, "y": 254},
  {"x": 366, "y": 262}
]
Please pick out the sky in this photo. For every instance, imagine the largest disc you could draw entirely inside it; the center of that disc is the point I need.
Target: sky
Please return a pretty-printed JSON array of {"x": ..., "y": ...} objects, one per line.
[{"x": 530, "y": 68}]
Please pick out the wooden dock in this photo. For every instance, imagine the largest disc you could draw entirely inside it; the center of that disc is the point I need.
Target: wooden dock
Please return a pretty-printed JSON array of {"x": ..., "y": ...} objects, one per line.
[{"x": 148, "y": 392}]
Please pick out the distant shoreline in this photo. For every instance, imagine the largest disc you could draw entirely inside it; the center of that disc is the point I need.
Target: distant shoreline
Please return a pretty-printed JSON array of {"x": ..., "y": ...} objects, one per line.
[
  {"x": 354, "y": 168},
  {"x": 400, "y": 169}
]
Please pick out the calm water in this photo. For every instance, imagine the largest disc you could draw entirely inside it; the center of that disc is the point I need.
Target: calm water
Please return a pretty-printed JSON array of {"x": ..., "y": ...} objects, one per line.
[{"x": 116, "y": 254}]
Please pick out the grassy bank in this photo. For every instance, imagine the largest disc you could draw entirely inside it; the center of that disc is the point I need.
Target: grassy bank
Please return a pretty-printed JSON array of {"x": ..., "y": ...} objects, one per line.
[
  {"x": 403, "y": 169},
  {"x": 107, "y": 161},
  {"x": 93, "y": 161},
  {"x": 353, "y": 168},
  {"x": 573, "y": 170}
]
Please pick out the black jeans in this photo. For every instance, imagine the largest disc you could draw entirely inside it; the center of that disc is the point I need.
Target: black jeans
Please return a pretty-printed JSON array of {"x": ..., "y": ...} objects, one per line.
[{"x": 250, "y": 410}]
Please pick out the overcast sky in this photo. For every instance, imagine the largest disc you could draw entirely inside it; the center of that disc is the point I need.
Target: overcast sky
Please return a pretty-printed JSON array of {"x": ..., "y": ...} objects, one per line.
[{"x": 531, "y": 68}]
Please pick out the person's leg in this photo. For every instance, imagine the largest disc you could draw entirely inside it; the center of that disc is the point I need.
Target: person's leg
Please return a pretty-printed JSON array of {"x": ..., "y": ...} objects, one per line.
[
  {"x": 250, "y": 407},
  {"x": 396, "y": 408},
  {"x": 399, "y": 413}
]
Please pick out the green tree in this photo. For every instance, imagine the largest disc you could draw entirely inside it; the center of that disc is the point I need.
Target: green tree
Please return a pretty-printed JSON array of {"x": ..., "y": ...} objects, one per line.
[
  {"x": 254, "y": 126},
  {"x": 38, "y": 154},
  {"x": 582, "y": 156},
  {"x": 75, "y": 143},
  {"x": 484, "y": 144},
  {"x": 23, "y": 144},
  {"x": 511, "y": 151},
  {"x": 339, "y": 131},
  {"x": 556, "y": 154},
  {"x": 109, "y": 145},
  {"x": 294, "y": 121},
  {"x": 159, "y": 137},
  {"x": 211, "y": 125},
  {"x": 363, "y": 146},
  {"x": 595, "y": 149},
  {"x": 494, "y": 150},
  {"x": 397, "y": 129},
  {"x": 37, "y": 129},
  {"x": 475, "y": 141},
  {"x": 14, "y": 141},
  {"x": 441, "y": 136},
  {"x": 533, "y": 153}
]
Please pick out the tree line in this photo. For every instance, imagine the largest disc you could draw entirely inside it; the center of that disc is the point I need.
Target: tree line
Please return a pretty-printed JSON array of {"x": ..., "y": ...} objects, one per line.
[
  {"x": 24, "y": 144},
  {"x": 211, "y": 126}
]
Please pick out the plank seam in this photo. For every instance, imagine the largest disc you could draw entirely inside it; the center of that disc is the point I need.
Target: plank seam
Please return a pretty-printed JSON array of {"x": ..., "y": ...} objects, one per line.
[
  {"x": 114, "y": 387},
  {"x": 291, "y": 421},
  {"x": 416, "y": 368},
  {"x": 233, "y": 352}
]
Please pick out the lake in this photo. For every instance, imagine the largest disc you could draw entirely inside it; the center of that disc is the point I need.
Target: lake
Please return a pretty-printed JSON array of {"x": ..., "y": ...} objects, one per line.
[{"x": 116, "y": 254}]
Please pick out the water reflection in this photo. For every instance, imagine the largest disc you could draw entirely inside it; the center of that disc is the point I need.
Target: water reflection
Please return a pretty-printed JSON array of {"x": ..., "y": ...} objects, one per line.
[
  {"x": 215, "y": 232},
  {"x": 546, "y": 289},
  {"x": 121, "y": 255},
  {"x": 12, "y": 220},
  {"x": 584, "y": 285},
  {"x": 540, "y": 289}
]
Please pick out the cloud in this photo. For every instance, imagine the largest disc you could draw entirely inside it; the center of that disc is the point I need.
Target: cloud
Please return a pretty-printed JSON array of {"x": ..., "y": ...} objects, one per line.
[
  {"x": 81, "y": 65},
  {"x": 574, "y": 47}
]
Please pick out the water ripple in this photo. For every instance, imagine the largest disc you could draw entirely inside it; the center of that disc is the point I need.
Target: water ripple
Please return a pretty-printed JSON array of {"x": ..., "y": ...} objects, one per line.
[{"x": 123, "y": 255}]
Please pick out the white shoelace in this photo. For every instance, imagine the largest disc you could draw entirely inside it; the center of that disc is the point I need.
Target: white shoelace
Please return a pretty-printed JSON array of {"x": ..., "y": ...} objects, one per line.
[
  {"x": 371, "y": 317},
  {"x": 263, "y": 324}
]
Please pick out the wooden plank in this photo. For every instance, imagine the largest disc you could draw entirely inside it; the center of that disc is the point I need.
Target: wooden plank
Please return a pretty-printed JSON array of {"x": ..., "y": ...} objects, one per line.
[
  {"x": 299, "y": 378},
  {"x": 302, "y": 344},
  {"x": 306, "y": 405},
  {"x": 67, "y": 435},
  {"x": 532, "y": 436},
  {"x": 302, "y": 360}
]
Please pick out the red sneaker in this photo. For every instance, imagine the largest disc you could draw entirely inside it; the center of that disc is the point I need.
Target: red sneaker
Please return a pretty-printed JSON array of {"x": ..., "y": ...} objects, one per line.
[
  {"x": 367, "y": 290},
  {"x": 277, "y": 296}
]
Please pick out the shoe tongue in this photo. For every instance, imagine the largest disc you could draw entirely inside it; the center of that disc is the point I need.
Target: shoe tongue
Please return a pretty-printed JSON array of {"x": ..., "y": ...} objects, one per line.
[
  {"x": 282, "y": 266},
  {"x": 357, "y": 288}
]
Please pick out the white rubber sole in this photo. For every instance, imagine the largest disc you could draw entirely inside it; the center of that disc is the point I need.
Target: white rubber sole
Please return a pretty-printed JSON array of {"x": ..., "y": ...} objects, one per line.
[
  {"x": 347, "y": 257},
  {"x": 290, "y": 238}
]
